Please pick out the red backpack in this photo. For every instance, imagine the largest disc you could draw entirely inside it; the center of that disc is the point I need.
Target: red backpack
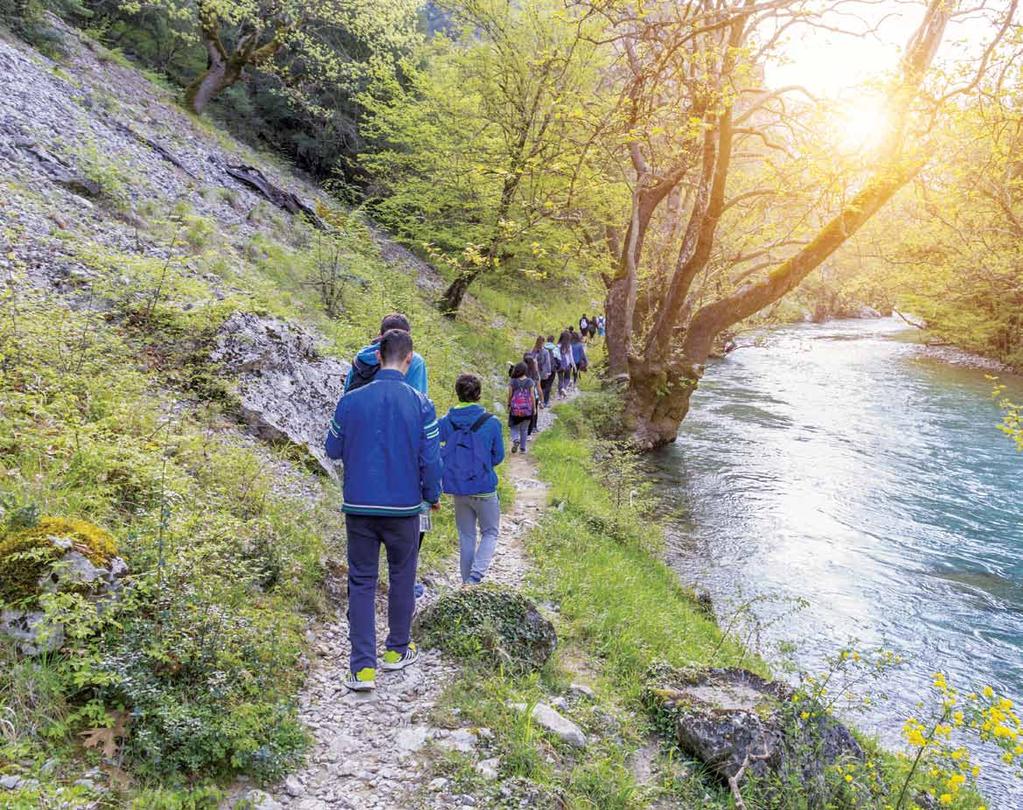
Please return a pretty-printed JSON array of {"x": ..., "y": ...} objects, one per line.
[{"x": 522, "y": 400}]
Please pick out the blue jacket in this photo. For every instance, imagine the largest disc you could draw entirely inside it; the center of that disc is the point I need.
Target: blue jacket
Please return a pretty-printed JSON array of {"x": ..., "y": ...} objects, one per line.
[
  {"x": 578, "y": 353},
  {"x": 386, "y": 434},
  {"x": 415, "y": 376},
  {"x": 474, "y": 476}
]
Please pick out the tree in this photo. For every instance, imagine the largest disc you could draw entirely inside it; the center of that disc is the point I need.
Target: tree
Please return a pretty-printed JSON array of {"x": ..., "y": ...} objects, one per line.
[
  {"x": 479, "y": 153},
  {"x": 706, "y": 60},
  {"x": 310, "y": 44},
  {"x": 952, "y": 251}
]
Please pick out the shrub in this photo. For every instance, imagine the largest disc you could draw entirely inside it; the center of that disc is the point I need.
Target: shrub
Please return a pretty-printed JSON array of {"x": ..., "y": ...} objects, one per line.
[{"x": 489, "y": 625}]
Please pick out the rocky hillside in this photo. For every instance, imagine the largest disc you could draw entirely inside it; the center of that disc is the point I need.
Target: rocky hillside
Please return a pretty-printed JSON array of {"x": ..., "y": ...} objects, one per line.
[{"x": 174, "y": 310}]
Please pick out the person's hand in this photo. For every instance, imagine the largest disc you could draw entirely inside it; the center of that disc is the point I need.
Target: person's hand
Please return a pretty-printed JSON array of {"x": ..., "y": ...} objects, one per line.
[{"x": 435, "y": 507}]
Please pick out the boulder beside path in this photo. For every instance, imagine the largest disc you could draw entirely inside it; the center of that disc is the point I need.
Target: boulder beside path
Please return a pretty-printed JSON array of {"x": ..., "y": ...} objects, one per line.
[
  {"x": 741, "y": 725},
  {"x": 286, "y": 387}
]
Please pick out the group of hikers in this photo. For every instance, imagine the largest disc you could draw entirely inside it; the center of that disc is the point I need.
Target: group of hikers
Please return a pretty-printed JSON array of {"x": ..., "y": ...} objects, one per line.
[{"x": 399, "y": 457}]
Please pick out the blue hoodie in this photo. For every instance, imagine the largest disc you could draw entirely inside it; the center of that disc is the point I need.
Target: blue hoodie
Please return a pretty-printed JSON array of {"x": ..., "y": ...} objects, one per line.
[
  {"x": 415, "y": 376},
  {"x": 488, "y": 447},
  {"x": 386, "y": 434}
]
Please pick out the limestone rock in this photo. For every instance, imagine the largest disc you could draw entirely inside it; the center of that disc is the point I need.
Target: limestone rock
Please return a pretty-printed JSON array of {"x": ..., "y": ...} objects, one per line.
[
  {"x": 560, "y": 726},
  {"x": 287, "y": 389},
  {"x": 259, "y": 800},
  {"x": 462, "y": 740},
  {"x": 728, "y": 717},
  {"x": 488, "y": 768},
  {"x": 412, "y": 738}
]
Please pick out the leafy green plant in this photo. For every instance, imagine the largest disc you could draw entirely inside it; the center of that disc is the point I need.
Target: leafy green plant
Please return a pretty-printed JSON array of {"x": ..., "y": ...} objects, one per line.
[{"x": 489, "y": 625}]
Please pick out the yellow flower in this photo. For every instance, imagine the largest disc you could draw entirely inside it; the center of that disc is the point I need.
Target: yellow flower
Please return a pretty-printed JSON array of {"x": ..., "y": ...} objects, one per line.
[
  {"x": 945, "y": 798},
  {"x": 987, "y": 692},
  {"x": 848, "y": 777}
]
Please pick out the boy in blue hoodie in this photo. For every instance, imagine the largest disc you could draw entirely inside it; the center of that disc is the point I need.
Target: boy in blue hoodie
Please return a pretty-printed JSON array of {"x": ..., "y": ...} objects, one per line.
[
  {"x": 386, "y": 434},
  {"x": 365, "y": 365},
  {"x": 473, "y": 444}
]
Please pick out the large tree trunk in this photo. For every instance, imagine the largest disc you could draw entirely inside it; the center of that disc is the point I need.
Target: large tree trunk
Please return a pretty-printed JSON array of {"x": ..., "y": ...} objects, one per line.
[
  {"x": 207, "y": 86},
  {"x": 451, "y": 301},
  {"x": 660, "y": 386},
  {"x": 224, "y": 69},
  {"x": 619, "y": 306}
]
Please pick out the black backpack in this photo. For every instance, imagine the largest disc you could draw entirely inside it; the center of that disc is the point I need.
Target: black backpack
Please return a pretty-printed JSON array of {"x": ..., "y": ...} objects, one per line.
[{"x": 362, "y": 373}]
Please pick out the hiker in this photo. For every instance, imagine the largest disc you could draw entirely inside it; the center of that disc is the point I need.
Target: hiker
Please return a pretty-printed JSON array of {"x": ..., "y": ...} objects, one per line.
[
  {"x": 544, "y": 351},
  {"x": 533, "y": 372},
  {"x": 566, "y": 365},
  {"x": 584, "y": 326},
  {"x": 579, "y": 358},
  {"x": 365, "y": 366},
  {"x": 386, "y": 434},
  {"x": 472, "y": 445},
  {"x": 601, "y": 325},
  {"x": 521, "y": 406},
  {"x": 593, "y": 327}
]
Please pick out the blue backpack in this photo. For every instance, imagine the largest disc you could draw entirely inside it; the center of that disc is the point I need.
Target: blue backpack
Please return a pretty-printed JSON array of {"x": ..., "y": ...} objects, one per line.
[{"x": 464, "y": 458}]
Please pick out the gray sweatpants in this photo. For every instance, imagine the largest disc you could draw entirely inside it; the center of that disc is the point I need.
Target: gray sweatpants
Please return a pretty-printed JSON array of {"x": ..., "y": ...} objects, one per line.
[{"x": 470, "y": 510}]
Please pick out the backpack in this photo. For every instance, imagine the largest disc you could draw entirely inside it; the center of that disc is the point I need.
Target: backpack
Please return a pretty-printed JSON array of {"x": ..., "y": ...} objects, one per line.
[
  {"x": 362, "y": 373},
  {"x": 555, "y": 360},
  {"x": 462, "y": 454},
  {"x": 522, "y": 401}
]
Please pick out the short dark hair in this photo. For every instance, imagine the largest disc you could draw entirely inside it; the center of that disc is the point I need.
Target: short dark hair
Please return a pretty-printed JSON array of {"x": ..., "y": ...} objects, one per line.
[
  {"x": 518, "y": 370},
  {"x": 395, "y": 321},
  {"x": 395, "y": 345},
  {"x": 468, "y": 388},
  {"x": 550, "y": 338}
]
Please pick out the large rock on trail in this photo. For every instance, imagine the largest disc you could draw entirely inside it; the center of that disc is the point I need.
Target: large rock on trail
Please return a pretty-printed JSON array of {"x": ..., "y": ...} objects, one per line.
[
  {"x": 740, "y": 725},
  {"x": 489, "y": 625},
  {"x": 286, "y": 387}
]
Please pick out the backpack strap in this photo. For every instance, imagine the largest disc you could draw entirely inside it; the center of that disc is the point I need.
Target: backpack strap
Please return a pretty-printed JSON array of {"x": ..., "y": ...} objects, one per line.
[{"x": 480, "y": 422}]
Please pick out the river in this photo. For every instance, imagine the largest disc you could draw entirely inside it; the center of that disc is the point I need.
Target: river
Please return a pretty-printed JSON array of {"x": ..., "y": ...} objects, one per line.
[{"x": 839, "y": 465}]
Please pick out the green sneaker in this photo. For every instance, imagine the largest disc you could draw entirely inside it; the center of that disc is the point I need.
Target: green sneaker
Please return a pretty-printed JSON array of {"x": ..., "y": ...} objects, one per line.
[
  {"x": 394, "y": 660},
  {"x": 364, "y": 680}
]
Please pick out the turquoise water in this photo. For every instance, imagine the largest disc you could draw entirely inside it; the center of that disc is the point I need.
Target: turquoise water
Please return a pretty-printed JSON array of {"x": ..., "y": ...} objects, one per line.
[{"x": 836, "y": 464}]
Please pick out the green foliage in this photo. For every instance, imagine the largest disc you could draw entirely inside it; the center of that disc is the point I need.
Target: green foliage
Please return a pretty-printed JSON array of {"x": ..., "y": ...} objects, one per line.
[
  {"x": 202, "y": 645},
  {"x": 475, "y": 156},
  {"x": 489, "y": 625}
]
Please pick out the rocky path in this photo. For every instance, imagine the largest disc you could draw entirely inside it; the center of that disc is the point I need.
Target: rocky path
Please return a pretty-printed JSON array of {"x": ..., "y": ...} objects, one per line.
[{"x": 366, "y": 750}]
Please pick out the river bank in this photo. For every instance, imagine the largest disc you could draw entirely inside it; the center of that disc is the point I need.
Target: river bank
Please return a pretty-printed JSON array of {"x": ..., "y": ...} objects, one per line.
[{"x": 842, "y": 482}]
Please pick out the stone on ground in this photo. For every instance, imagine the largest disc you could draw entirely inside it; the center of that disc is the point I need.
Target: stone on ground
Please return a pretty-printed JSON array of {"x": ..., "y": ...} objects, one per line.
[
  {"x": 287, "y": 389},
  {"x": 560, "y": 726}
]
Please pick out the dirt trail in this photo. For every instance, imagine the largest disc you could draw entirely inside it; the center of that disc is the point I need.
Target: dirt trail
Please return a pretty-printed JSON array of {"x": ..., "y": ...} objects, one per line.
[{"x": 366, "y": 750}]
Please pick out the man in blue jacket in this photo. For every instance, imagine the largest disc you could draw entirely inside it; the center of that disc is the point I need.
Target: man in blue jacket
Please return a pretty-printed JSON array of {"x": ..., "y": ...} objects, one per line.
[
  {"x": 366, "y": 364},
  {"x": 386, "y": 434},
  {"x": 473, "y": 446}
]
